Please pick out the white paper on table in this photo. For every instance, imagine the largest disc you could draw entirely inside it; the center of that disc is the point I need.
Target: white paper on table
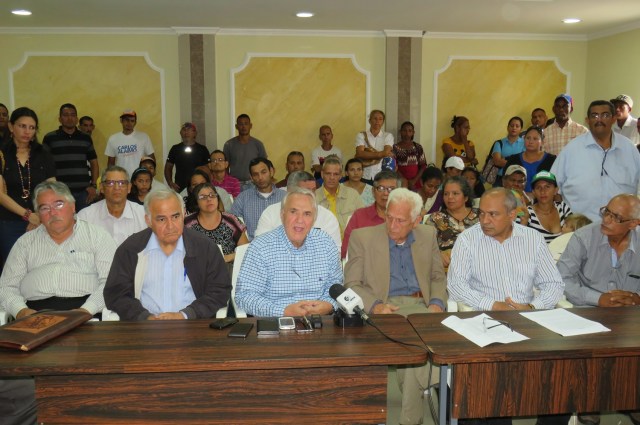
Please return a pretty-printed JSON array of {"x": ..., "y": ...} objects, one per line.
[
  {"x": 474, "y": 330},
  {"x": 564, "y": 322}
]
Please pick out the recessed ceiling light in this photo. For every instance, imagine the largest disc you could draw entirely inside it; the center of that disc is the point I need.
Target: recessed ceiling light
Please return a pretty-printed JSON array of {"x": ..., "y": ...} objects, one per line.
[
  {"x": 21, "y": 12},
  {"x": 304, "y": 14},
  {"x": 571, "y": 20}
]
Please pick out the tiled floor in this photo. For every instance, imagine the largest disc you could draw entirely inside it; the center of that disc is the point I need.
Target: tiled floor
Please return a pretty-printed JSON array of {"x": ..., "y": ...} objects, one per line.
[{"x": 393, "y": 409}]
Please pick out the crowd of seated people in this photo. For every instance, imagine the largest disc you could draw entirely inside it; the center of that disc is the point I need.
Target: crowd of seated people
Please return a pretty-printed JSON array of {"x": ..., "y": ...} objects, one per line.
[{"x": 387, "y": 192}]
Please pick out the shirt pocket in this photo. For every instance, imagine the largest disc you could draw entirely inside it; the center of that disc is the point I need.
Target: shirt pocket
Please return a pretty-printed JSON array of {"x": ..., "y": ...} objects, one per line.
[{"x": 81, "y": 263}]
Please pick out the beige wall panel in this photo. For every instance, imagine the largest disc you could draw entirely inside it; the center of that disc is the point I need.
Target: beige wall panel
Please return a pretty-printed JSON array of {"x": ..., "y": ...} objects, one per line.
[
  {"x": 289, "y": 98},
  {"x": 489, "y": 92},
  {"x": 95, "y": 85}
]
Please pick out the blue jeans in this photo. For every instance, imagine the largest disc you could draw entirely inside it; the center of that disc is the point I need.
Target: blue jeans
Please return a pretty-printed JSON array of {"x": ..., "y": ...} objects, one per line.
[{"x": 10, "y": 231}]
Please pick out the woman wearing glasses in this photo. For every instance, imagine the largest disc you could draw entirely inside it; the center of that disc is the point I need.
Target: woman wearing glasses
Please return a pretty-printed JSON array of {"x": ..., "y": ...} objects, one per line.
[
  {"x": 24, "y": 163},
  {"x": 534, "y": 159},
  {"x": 208, "y": 218},
  {"x": 455, "y": 216}
]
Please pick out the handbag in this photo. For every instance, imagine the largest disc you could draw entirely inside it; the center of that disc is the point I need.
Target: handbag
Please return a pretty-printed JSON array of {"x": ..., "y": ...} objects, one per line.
[
  {"x": 369, "y": 148},
  {"x": 490, "y": 170}
]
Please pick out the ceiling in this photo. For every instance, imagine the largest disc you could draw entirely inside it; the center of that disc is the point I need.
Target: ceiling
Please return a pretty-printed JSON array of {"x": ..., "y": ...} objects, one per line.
[{"x": 532, "y": 17}]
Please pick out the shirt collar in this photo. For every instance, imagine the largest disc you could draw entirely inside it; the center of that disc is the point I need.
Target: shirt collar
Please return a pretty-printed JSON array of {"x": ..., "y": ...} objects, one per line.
[
  {"x": 407, "y": 243},
  {"x": 153, "y": 244}
]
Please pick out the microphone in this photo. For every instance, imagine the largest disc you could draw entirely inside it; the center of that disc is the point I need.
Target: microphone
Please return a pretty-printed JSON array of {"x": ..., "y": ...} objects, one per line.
[{"x": 350, "y": 303}]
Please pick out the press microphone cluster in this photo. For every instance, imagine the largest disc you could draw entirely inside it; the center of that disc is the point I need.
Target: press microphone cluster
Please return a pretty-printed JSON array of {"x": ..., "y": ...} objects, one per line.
[{"x": 351, "y": 312}]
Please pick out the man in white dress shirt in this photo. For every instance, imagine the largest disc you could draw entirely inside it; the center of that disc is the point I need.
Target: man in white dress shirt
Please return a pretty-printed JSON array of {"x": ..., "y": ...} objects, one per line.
[
  {"x": 271, "y": 217},
  {"x": 115, "y": 214},
  {"x": 61, "y": 265}
]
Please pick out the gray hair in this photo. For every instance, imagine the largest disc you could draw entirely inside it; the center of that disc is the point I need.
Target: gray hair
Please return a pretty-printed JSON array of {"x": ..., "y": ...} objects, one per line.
[
  {"x": 300, "y": 191},
  {"x": 332, "y": 160},
  {"x": 387, "y": 175},
  {"x": 632, "y": 201},
  {"x": 58, "y": 188},
  {"x": 510, "y": 201},
  {"x": 298, "y": 176},
  {"x": 161, "y": 195},
  {"x": 113, "y": 169},
  {"x": 402, "y": 194}
]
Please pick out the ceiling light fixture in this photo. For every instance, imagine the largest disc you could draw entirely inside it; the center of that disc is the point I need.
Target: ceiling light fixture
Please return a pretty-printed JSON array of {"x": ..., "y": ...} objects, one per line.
[
  {"x": 21, "y": 12},
  {"x": 304, "y": 14},
  {"x": 571, "y": 20}
]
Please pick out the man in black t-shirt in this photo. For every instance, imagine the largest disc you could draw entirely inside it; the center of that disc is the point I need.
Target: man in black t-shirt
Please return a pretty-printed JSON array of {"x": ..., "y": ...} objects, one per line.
[{"x": 186, "y": 156}]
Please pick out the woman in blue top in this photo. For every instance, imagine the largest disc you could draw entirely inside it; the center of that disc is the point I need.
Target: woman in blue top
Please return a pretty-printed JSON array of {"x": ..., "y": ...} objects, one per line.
[
  {"x": 511, "y": 145},
  {"x": 533, "y": 159}
]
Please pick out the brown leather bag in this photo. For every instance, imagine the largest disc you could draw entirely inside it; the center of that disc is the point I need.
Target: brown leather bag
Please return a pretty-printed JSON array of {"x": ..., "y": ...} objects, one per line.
[{"x": 369, "y": 148}]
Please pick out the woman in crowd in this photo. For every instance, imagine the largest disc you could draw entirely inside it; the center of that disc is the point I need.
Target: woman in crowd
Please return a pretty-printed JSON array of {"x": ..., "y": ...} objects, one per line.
[
  {"x": 430, "y": 190},
  {"x": 198, "y": 177},
  {"x": 208, "y": 218},
  {"x": 472, "y": 176},
  {"x": 24, "y": 163},
  {"x": 546, "y": 215},
  {"x": 512, "y": 144},
  {"x": 533, "y": 159},
  {"x": 353, "y": 171},
  {"x": 458, "y": 144},
  {"x": 409, "y": 156},
  {"x": 4, "y": 123},
  {"x": 141, "y": 181},
  {"x": 455, "y": 216}
]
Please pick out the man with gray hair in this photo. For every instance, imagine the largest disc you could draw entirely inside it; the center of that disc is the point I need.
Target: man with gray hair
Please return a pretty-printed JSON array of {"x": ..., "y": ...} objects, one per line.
[
  {"x": 341, "y": 200},
  {"x": 60, "y": 265},
  {"x": 289, "y": 270},
  {"x": 270, "y": 218},
  {"x": 496, "y": 264},
  {"x": 396, "y": 268},
  {"x": 167, "y": 272},
  {"x": 118, "y": 216}
]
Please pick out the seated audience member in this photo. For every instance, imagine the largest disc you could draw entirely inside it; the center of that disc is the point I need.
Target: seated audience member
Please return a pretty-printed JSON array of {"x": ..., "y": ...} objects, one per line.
[
  {"x": 270, "y": 218},
  {"x": 409, "y": 156},
  {"x": 318, "y": 155},
  {"x": 512, "y": 144},
  {"x": 453, "y": 166},
  {"x": 288, "y": 271},
  {"x": 353, "y": 172},
  {"x": 546, "y": 215},
  {"x": 141, "y": 181},
  {"x": 295, "y": 162},
  {"x": 60, "y": 265},
  {"x": 341, "y": 200},
  {"x": 167, "y": 272},
  {"x": 533, "y": 159},
  {"x": 251, "y": 202},
  {"x": 217, "y": 170},
  {"x": 383, "y": 182},
  {"x": 483, "y": 277},
  {"x": 514, "y": 179},
  {"x": 200, "y": 177},
  {"x": 150, "y": 164},
  {"x": 601, "y": 265},
  {"x": 458, "y": 144},
  {"x": 430, "y": 191},
  {"x": 115, "y": 214},
  {"x": 571, "y": 224},
  {"x": 472, "y": 176},
  {"x": 396, "y": 268},
  {"x": 597, "y": 165},
  {"x": 456, "y": 215},
  {"x": 208, "y": 218}
]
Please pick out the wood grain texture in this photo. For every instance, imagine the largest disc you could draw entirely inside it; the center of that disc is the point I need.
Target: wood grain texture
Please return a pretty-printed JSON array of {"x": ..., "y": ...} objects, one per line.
[
  {"x": 183, "y": 372},
  {"x": 547, "y": 373}
]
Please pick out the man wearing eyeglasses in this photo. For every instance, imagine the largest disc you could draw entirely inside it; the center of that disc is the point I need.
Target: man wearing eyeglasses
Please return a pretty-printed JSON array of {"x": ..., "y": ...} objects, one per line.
[
  {"x": 61, "y": 265},
  {"x": 115, "y": 214},
  {"x": 596, "y": 166},
  {"x": 601, "y": 265}
]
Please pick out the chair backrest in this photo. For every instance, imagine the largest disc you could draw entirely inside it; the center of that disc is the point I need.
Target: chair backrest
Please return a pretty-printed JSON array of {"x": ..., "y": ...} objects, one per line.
[{"x": 241, "y": 250}]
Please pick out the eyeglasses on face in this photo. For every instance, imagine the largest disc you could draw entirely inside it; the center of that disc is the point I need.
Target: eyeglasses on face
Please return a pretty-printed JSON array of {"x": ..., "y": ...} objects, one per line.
[
  {"x": 606, "y": 212},
  {"x": 112, "y": 183},
  {"x": 209, "y": 196},
  {"x": 387, "y": 189},
  {"x": 218, "y": 160},
  {"x": 46, "y": 209},
  {"x": 603, "y": 115}
]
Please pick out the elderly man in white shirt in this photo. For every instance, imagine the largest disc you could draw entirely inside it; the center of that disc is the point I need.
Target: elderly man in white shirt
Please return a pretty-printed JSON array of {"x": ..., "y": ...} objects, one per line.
[
  {"x": 271, "y": 218},
  {"x": 118, "y": 216}
]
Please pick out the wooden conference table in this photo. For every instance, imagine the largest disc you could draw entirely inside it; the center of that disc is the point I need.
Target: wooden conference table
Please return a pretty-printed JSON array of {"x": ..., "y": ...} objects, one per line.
[
  {"x": 545, "y": 374},
  {"x": 184, "y": 372}
]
